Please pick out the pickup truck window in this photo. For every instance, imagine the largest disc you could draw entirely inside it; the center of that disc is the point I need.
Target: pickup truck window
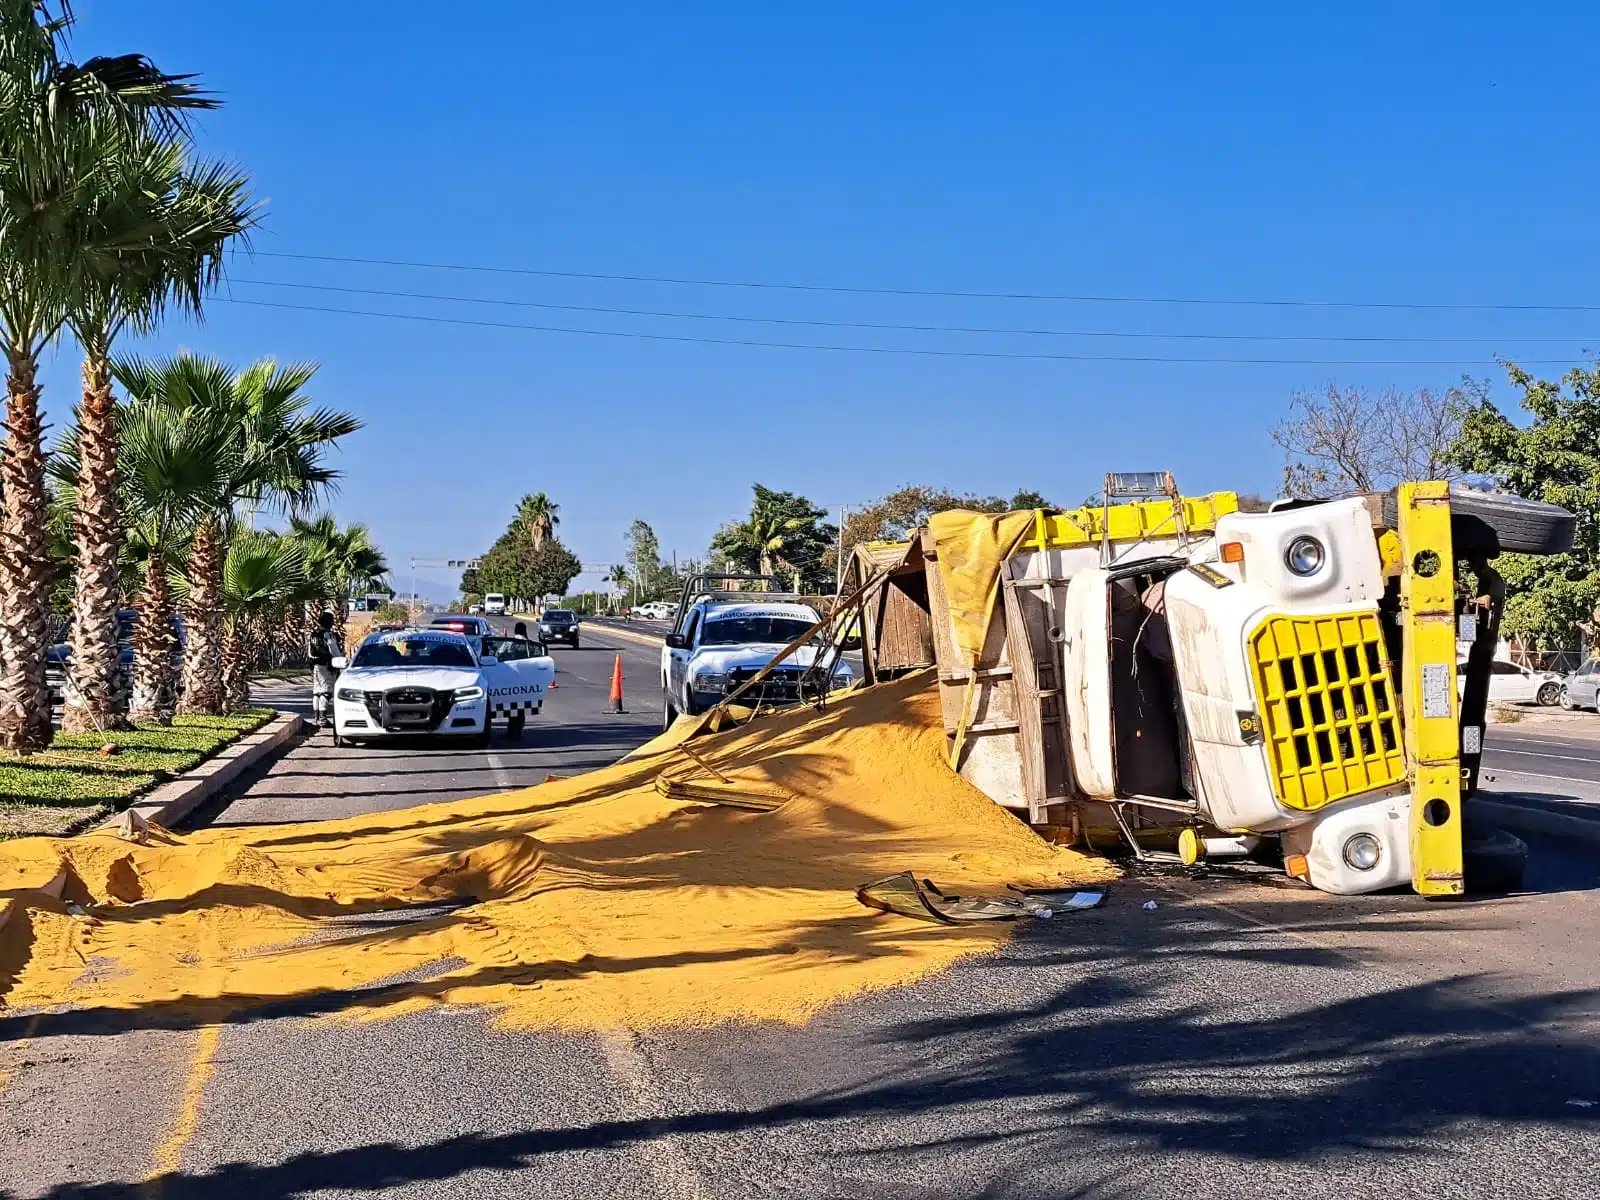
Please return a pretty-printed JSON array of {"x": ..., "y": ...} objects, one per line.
[{"x": 739, "y": 631}]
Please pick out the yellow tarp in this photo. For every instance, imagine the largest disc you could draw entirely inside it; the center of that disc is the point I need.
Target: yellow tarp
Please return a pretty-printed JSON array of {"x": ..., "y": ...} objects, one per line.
[
  {"x": 971, "y": 547},
  {"x": 593, "y": 902}
]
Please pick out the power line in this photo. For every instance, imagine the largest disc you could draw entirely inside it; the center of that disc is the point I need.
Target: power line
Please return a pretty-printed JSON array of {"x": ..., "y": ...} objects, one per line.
[
  {"x": 930, "y": 292},
  {"x": 897, "y": 328},
  {"x": 926, "y": 353}
]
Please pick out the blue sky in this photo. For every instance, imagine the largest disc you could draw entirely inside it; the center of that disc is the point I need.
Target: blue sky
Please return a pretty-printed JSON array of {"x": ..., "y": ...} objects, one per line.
[{"x": 1434, "y": 154}]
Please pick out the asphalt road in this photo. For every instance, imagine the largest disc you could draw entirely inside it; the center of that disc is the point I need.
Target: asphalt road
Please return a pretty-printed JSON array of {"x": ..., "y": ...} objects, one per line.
[{"x": 1238, "y": 1039}]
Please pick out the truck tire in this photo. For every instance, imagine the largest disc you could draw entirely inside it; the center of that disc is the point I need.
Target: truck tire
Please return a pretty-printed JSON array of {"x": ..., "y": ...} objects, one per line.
[
  {"x": 1493, "y": 861},
  {"x": 668, "y": 713},
  {"x": 1496, "y": 522}
]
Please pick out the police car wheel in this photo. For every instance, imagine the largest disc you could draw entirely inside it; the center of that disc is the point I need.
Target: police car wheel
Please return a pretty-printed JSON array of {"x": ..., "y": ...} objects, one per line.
[
  {"x": 480, "y": 741},
  {"x": 515, "y": 724}
]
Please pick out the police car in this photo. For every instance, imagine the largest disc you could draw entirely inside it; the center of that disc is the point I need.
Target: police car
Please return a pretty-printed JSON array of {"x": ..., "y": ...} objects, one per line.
[{"x": 430, "y": 682}]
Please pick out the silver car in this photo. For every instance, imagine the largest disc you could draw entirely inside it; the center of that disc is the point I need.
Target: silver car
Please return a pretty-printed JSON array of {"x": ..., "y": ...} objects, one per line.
[{"x": 1581, "y": 689}]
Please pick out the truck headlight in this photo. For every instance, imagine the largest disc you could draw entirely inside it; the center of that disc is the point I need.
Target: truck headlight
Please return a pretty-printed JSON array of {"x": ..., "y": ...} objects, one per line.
[
  {"x": 1304, "y": 556},
  {"x": 468, "y": 694},
  {"x": 350, "y": 694},
  {"x": 1362, "y": 851},
  {"x": 711, "y": 681}
]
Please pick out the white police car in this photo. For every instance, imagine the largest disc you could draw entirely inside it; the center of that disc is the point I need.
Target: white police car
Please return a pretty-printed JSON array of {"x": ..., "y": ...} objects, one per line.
[{"x": 428, "y": 682}]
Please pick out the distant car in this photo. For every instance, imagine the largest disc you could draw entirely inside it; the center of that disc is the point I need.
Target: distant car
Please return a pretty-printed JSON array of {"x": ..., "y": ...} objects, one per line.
[
  {"x": 463, "y": 623},
  {"x": 1511, "y": 684},
  {"x": 1581, "y": 689},
  {"x": 657, "y": 610},
  {"x": 476, "y": 609},
  {"x": 435, "y": 682},
  {"x": 559, "y": 625},
  {"x": 494, "y": 602}
]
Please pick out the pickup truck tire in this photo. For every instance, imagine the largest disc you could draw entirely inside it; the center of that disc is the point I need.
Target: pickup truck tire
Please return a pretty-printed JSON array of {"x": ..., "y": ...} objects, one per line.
[
  {"x": 1494, "y": 522},
  {"x": 668, "y": 713},
  {"x": 1493, "y": 861}
]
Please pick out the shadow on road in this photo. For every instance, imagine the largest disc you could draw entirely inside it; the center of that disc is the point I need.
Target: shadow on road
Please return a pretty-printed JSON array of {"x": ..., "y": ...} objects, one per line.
[{"x": 1111, "y": 1052}]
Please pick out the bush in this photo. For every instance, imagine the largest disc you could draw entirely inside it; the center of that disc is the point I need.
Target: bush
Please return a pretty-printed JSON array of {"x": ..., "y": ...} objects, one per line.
[{"x": 391, "y": 614}]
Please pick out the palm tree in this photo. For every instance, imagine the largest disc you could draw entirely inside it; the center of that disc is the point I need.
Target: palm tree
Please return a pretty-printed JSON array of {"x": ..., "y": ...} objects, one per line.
[
  {"x": 176, "y": 466},
  {"x": 346, "y": 560},
  {"x": 172, "y": 221},
  {"x": 277, "y": 460},
  {"x": 260, "y": 573},
  {"x": 539, "y": 515},
  {"x": 60, "y": 123}
]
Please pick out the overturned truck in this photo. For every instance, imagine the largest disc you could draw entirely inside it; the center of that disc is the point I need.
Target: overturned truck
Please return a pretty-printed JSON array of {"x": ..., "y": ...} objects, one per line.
[{"x": 1175, "y": 675}]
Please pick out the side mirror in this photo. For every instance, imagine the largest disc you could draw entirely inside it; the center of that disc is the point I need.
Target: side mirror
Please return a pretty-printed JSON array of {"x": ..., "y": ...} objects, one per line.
[
  {"x": 488, "y": 660},
  {"x": 675, "y": 642},
  {"x": 340, "y": 664}
]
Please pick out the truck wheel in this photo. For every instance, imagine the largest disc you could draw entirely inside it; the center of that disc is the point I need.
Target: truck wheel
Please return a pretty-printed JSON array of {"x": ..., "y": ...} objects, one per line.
[
  {"x": 1493, "y": 861},
  {"x": 1492, "y": 522},
  {"x": 668, "y": 714},
  {"x": 574, "y": 643}
]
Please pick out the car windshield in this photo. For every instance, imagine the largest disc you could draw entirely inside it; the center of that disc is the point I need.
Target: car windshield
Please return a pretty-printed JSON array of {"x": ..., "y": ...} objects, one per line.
[
  {"x": 558, "y": 614},
  {"x": 738, "y": 631},
  {"x": 414, "y": 652}
]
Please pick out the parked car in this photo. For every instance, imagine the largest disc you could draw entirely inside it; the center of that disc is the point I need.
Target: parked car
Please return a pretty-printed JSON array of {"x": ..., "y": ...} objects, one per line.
[
  {"x": 1581, "y": 689},
  {"x": 58, "y": 657},
  {"x": 1512, "y": 684}
]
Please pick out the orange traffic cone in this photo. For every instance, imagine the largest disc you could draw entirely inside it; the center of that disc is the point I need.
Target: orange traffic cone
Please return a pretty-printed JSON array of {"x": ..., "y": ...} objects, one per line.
[{"x": 616, "y": 686}]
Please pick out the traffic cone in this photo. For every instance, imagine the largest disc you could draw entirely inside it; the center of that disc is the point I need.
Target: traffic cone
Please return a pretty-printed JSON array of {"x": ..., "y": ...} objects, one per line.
[{"x": 616, "y": 686}]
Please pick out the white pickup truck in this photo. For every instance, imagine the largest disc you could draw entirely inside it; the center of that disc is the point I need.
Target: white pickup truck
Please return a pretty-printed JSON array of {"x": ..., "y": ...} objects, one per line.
[{"x": 719, "y": 641}]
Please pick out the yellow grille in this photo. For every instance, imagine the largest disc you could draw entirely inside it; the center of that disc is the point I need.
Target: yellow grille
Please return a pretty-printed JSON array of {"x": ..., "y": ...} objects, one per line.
[{"x": 1327, "y": 707}]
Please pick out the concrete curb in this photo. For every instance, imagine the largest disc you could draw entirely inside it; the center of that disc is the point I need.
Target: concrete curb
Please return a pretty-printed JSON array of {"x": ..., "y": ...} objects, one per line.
[
  {"x": 172, "y": 802},
  {"x": 1532, "y": 814}
]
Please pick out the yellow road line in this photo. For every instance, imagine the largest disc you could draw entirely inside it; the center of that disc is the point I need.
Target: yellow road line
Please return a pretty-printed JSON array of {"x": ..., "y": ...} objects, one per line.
[{"x": 169, "y": 1155}]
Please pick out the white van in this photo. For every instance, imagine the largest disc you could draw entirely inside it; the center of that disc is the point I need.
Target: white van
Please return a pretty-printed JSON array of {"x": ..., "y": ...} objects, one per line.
[{"x": 494, "y": 602}]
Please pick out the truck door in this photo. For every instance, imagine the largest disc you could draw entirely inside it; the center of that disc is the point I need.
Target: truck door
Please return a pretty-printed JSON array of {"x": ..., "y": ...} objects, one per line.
[
  {"x": 520, "y": 676},
  {"x": 678, "y": 659}
]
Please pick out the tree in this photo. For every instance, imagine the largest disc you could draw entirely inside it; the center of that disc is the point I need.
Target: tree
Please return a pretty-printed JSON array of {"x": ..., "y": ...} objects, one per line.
[
  {"x": 261, "y": 572},
  {"x": 177, "y": 465},
  {"x": 784, "y": 531},
  {"x": 61, "y": 123},
  {"x": 343, "y": 561},
  {"x": 892, "y": 518},
  {"x": 1556, "y": 458},
  {"x": 169, "y": 221},
  {"x": 619, "y": 579},
  {"x": 1351, "y": 440},
  {"x": 644, "y": 555},
  {"x": 280, "y": 444},
  {"x": 539, "y": 516},
  {"x": 514, "y": 567}
]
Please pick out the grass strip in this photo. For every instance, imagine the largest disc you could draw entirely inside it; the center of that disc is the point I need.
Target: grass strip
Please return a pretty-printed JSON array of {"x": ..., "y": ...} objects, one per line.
[{"x": 71, "y": 785}]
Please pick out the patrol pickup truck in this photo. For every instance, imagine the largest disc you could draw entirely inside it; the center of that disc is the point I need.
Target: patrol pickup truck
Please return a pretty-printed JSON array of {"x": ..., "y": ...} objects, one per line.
[{"x": 720, "y": 639}]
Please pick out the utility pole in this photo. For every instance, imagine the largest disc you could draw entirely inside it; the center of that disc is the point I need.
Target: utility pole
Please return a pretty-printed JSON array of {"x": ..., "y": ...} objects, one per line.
[{"x": 838, "y": 583}]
